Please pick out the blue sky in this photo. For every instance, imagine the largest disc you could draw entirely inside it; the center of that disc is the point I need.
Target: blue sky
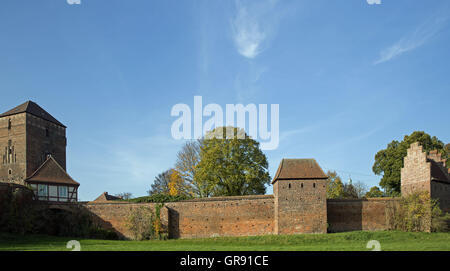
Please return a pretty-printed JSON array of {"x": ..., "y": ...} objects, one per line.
[{"x": 348, "y": 77}]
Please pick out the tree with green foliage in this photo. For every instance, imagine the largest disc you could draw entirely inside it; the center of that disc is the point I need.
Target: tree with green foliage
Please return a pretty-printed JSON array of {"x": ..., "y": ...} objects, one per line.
[
  {"x": 335, "y": 187},
  {"x": 374, "y": 192},
  {"x": 388, "y": 162},
  {"x": 231, "y": 164}
]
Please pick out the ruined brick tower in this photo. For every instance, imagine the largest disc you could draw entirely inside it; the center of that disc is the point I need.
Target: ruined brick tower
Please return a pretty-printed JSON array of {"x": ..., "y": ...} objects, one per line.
[
  {"x": 426, "y": 172},
  {"x": 300, "y": 196},
  {"x": 33, "y": 150}
]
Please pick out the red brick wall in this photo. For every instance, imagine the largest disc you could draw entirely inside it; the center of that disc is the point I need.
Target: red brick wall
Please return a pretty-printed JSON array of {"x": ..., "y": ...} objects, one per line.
[
  {"x": 225, "y": 216},
  {"x": 114, "y": 215},
  {"x": 301, "y": 206},
  {"x": 359, "y": 214},
  {"x": 242, "y": 216}
]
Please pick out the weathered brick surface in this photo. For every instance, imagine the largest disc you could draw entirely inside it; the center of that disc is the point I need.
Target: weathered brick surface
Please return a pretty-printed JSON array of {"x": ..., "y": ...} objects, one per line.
[
  {"x": 41, "y": 142},
  {"x": 25, "y": 144},
  {"x": 13, "y": 149},
  {"x": 114, "y": 215},
  {"x": 231, "y": 216},
  {"x": 357, "y": 214},
  {"x": 300, "y": 206},
  {"x": 416, "y": 173},
  {"x": 228, "y": 216}
]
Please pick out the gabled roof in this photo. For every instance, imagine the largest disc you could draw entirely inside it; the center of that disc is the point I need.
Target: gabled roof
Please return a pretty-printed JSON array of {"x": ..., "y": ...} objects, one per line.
[
  {"x": 51, "y": 172},
  {"x": 106, "y": 197},
  {"x": 290, "y": 169},
  {"x": 33, "y": 109}
]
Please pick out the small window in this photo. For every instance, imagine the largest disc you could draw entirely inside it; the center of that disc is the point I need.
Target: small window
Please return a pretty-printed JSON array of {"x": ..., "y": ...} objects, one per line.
[
  {"x": 63, "y": 192},
  {"x": 47, "y": 133},
  {"x": 302, "y": 185},
  {"x": 42, "y": 190},
  {"x": 314, "y": 185},
  {"x": 10, "y": 171},
  {"x": 289, "y": 186},
  {"x": 9, "y": 124}
]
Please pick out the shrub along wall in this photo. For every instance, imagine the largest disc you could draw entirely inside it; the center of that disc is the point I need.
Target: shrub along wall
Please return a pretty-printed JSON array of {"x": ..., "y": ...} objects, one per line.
[
  {"x": 20, "y": 214},
  {"x": 220, "y": 216}
]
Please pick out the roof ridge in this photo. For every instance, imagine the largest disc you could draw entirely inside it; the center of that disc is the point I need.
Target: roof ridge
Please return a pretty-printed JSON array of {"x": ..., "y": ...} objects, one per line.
[
  {"x": 50, "y": 158},
  {"x": 299, "y": 168},
  {"x": 34, "y": 109}
]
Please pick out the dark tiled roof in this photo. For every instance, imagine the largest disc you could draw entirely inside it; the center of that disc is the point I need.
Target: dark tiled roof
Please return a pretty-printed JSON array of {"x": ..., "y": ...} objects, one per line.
[
  {"x": 33, "y": 109},
  {"x": 106, "y": 197},
  {"x": 299, "y": 169},
  {"x": 51, "y": 172},
  {"x": 438, "y": 171}
]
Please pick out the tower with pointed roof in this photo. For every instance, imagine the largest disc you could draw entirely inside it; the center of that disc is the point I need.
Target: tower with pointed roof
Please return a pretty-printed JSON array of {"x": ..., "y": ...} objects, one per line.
[
  {"x": 300, "y": 195},
  {"x": 33, "y": 151}
]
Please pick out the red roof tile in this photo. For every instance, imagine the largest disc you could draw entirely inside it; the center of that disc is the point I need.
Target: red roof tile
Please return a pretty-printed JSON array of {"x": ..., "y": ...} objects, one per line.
[
  {"x": 299, "y": 169},
  {"x": 106, "y": 197},
  {"x": 51, "y": 172}
]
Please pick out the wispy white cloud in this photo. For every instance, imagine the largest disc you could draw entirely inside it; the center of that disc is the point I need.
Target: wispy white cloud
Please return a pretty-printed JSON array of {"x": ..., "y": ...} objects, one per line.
[
  {"x": 253, "y": 25},
  {"x": 126, "y": 165},
  {"x": 318, "y": 125},
  {"x": 422, "y": 34}
]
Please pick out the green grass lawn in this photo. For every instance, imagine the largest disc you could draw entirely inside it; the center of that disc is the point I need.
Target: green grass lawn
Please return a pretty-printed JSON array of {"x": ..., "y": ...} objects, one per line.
[{"x": 357, "y": 240}]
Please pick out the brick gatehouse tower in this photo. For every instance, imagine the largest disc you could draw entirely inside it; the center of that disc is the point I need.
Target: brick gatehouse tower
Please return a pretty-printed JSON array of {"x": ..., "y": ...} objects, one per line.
[{"x": 33, "y": 152}]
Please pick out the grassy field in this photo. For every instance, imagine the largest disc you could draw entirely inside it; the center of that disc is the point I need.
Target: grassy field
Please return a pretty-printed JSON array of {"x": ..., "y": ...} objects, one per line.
[{"x": 336, "y": 242}]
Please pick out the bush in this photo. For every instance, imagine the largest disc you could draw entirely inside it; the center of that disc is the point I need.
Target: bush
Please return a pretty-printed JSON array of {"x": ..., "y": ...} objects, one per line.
[
  {"x": 145, "y": 224},
  {"x": 20, "y": 214},
  {"x": 16, "y": 210},
  {"x": 416, "y": 212}
]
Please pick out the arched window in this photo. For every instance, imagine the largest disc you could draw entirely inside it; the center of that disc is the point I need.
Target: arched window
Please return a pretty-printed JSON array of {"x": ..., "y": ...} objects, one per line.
[{"x": 9, "y": 124}]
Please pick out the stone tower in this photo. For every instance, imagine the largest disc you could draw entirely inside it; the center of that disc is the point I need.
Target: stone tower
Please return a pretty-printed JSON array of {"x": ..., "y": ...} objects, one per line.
[
  {"x": 28, "y": 135},
  {"x": 300, "y": 192}
]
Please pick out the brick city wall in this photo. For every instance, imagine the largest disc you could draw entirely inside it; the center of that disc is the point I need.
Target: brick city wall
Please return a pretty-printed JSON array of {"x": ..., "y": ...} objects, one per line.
[
  {"x": 357, "y": 214},
  {"x": 224, "y": 216},
  {"x": 114, "y": 215},
  {"x": 240, "y": 216}
]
